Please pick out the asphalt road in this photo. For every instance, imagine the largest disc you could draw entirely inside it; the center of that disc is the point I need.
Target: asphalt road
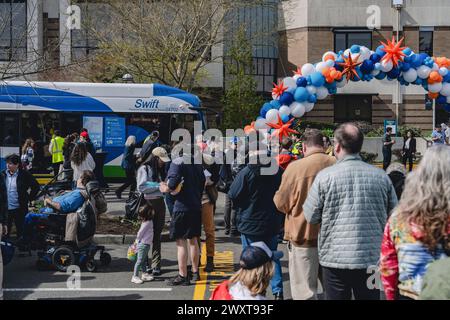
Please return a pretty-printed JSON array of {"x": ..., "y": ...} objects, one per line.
[{"x": 23, "y": 281}]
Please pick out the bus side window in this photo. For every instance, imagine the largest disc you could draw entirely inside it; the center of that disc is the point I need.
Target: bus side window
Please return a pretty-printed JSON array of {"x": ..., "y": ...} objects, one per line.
[{"x": 9, "y": 124}]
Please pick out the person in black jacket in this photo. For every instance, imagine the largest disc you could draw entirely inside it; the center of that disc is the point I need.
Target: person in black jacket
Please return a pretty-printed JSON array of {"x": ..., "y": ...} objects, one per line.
[
  {"x": 258, "y": 219},
  {"x": 21, "y": 188},
  {"x": 129, "y": 165},
  {"x": 409, "y": 149}
]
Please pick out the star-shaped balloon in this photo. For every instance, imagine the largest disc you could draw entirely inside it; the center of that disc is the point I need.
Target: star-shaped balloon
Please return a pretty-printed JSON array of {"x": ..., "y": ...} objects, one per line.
[
  {"x": 394, "y": 51},
  {"x": 350, "y": 67},
  {"x": 282, "y": 129},
  {"x": 279, "y": 89},
  {"x": 298, "y": 72}
]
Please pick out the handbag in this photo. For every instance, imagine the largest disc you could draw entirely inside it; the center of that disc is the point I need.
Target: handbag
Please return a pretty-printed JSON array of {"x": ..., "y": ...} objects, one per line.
[
  {"x": 132, "y": 206},
  {"x": 7, "y": 249},
  {"x": 132, "y": 252}
]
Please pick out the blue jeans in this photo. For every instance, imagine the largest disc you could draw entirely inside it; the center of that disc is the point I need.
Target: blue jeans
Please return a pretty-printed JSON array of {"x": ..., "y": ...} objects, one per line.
[
  {"x": 277, "y": 280},
  {"x": 142, "y": 258}
]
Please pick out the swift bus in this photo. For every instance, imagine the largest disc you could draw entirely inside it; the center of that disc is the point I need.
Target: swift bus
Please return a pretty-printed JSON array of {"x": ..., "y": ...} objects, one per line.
[{"x": 110, "y": 112}]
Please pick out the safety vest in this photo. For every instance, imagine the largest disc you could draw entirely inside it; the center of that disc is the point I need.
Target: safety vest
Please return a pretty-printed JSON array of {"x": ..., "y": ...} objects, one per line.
[{"x": 57, "y": 150}]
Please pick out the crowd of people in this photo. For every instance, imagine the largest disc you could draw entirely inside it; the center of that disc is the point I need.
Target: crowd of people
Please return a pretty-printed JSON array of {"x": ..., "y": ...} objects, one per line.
[{"x": 338, "y": 215}]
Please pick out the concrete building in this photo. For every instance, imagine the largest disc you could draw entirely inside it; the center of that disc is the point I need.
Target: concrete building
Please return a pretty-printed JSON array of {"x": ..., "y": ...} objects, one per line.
[{"x": 309, "y": 28}]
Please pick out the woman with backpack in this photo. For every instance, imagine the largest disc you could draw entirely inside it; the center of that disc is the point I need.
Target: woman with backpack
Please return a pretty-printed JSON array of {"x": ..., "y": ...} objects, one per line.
[
  {"x": 129, "y": 165},
  {"x": 149, "y": 175}
]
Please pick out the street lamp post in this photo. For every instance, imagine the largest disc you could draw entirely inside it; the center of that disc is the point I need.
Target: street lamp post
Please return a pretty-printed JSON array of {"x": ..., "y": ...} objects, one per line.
[
  {"x": 127, "y": 78},
  {"x": 398, "y": 5}
]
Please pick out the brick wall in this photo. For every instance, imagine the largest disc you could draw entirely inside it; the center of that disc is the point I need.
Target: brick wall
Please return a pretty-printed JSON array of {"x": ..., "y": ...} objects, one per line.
[{"x": 441, "y": 41}]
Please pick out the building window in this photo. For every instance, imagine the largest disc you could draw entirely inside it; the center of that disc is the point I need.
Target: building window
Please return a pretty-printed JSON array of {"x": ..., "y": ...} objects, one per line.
[
  {"x": 13, "y": 30},
  {"x": 349, "y": 108},
  {"x": 84, "y": 43},
  {"x": 426, "y": 42},
  {"x": 345, "y": 39},
  {"x": 264, "y": 71}
]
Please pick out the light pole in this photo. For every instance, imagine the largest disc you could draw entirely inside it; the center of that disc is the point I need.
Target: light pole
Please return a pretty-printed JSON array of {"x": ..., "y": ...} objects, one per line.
[
  {"x": 127, "y": 78},
  {"x": 398, "y": 5}
]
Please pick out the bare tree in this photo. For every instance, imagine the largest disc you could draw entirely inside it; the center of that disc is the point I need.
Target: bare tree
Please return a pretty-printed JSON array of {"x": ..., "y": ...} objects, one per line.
[{"x": 167, "y": 41}]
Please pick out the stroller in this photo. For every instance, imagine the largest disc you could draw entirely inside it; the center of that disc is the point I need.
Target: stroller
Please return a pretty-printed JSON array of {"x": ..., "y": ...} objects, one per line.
[{"x": 65, "y": 240}]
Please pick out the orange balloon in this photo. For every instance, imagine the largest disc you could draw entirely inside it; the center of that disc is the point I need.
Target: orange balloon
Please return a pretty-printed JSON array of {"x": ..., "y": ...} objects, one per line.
[
  {"x": 326, "y": 72},
  {"x": 435, "y": 77},
  {"x": 329, "y": 57},
  {"x": 433, "y": 95}
]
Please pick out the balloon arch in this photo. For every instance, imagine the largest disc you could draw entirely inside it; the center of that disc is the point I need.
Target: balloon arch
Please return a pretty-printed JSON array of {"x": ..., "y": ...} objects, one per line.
[{"x": 295, "y": 96}]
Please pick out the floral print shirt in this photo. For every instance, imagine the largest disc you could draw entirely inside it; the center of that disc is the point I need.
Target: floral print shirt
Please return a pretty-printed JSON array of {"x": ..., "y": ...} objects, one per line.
[{"x": 404, "y": 259}]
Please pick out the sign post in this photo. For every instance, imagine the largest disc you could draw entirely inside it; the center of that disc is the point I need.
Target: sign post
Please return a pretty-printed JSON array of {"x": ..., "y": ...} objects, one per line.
[{"x": 390, "y": 124}]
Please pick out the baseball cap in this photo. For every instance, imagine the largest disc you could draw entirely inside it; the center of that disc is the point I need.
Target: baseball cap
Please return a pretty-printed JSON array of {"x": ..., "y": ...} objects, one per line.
[
  {"x": 257, "y": 254},
  {"x": 84, "y": 134},
  {"x": 161, "y": 153}
]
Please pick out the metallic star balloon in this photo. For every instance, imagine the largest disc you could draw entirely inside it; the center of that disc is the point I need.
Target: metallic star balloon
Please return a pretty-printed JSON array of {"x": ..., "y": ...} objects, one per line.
[
  {"x": 279, "y": 89},
  {"x": 297, "y": 72},
  {"x": 394, "y": 51},
  {"x": 350, "y": 67},
  {"x": 282, "y": 129}
]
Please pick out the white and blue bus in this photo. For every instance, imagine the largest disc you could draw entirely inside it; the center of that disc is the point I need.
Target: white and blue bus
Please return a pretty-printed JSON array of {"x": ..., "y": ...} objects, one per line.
[{"x": 110, "y": 112}]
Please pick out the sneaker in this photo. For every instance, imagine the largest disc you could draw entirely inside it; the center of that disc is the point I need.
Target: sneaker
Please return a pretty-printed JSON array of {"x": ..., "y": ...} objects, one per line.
[
  {"x": 156, "y": 272},
  {"x": 278, "y": 296},
  {"x": 179, "y": 281},
  {"x": 209, "y": 264},
  {"x": 147, "y": 277},
  {"x": 136, "y": 280},
  {"x": 118, "y": 194},
  {"x": 195, "y": 276}
]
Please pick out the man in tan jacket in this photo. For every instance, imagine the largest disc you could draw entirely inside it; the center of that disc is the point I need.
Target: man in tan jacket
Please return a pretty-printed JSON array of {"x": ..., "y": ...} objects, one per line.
[{"x": 302, "y": 236}]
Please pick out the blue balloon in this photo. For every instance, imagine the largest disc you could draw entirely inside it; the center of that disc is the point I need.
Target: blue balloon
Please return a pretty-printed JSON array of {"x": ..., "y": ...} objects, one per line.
[
  {"x": 312, "y": 98},
  {"x": 375, "y": 58},
  {"x": 441, "y": 99},
  {"x": 332, "y": 90},
  {"x": 291, "y": 90},
  {"x": 415, "y": 61},
  {"x": 355, "y": 48},
  {"x": 360, "y": 74},
  {"x": 423, "y": 56},
  {"x": 317, "y": 79},
  {"x": 407, "y": 51},
  {"x": 265, "y": 108},
  {"x": 407, "y": 59},
  {"x": 338, "y": 67},
  {"x": 286, "y": 99},
  {"x": 284, "y": 118},
  {"x": 447, "y": 107},
  {"x": 447, "y": 77},
  {"x": 380, "y": 52},
  {"x": 275, "y": 104},
  {"x": 394, "y": 73},
  {"x": 367, "y": 66},
  {"x": 380, "y": 76},
  {"x": 301, "y": 94},
  {"x": 308, "y": 80},
  {"x": 418, "y": 81},
  {"x": 302, "y": 82},
  {"x": 405, "y": 66}
]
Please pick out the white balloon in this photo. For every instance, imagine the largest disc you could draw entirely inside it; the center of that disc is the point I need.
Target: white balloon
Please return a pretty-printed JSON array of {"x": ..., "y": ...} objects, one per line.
[
  {"x": 284, "y": 111},
  {"x": 387, "y": 66},
  {"x": 443, "y": 71},
  {"x": 342, "y": 83},
  {"x": 298, "y": 109},
  {"x": 290, "y": 82},
  {"x": 295, "y": 77},
  {"x": 357, "y": 57},
  {"x": 322, "y": 93},
  {"x": 308, "y": 106},
  {"x": 321, "y": 66},
  {"x": 261, "y": 124},
  {"x": 435, "y": 67},
  {"x": 423, "y": 72},
  {"x": 435, "y": 87},
  {"x": 365, "y": 53},
  {"x": 376, "y": 72},
  {"x": 308, "y": 69},
  {"x": 410, "y": 75},
  {"x": 448, "y": 99},
  {"x": 347, "y": 53},
  {"x": 445, "y": 91},
  {"x": 272, "y": 116},
  {"x": 275, "y": 97},
  {"x": 328, "y": 53},
  {"x": 311, "y": 89},
  {"x": 330, "y": 63}
]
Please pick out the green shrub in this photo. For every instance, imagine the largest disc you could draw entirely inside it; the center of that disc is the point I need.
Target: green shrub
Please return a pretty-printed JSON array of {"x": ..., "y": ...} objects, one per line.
[{"x": 368, "y": 157}]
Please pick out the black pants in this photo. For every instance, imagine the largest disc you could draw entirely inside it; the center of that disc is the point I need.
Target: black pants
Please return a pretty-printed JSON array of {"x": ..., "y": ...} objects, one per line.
[
  {"x": 387, "y": 155},
  {"x": 18, "y": 216},
  {"x": 158, "y": 224},
  {"x": 55, "y": 167},
  {"x": 130, "y": 182},
  {"x": 230, "y": 215},
  {"x": 340, "y": 283},
  {"x": 408, "y": 157}
]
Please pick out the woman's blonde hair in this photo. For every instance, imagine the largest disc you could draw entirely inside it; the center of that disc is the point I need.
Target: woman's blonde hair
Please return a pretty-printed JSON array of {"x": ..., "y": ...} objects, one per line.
[
  {"x": 426, "y": 198},
  {"x": 256, "y": 280},
  {"x": 130, "y": 141}
]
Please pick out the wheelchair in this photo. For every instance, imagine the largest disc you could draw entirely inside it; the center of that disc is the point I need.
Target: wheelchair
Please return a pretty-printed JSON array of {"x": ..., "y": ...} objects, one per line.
[
  {"x": 49, "y": 238},
  {"x": 57, "y": 185}
]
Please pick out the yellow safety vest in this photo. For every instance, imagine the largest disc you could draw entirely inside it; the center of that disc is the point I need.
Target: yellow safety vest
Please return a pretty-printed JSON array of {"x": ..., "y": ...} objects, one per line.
[{"x": 57, "y": 150}]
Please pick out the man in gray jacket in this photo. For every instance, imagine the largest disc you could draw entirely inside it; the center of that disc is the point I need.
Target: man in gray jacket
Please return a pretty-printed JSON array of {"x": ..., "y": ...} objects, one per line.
[{"x": 351, "y": 200}]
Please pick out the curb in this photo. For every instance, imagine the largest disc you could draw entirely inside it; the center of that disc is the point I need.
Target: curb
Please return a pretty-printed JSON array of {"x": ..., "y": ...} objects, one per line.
[{"x": 122, "y": 239}]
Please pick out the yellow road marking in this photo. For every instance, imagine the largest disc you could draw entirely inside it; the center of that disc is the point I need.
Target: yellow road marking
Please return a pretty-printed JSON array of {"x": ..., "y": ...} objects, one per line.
[{"x": 223, "y": 268}]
